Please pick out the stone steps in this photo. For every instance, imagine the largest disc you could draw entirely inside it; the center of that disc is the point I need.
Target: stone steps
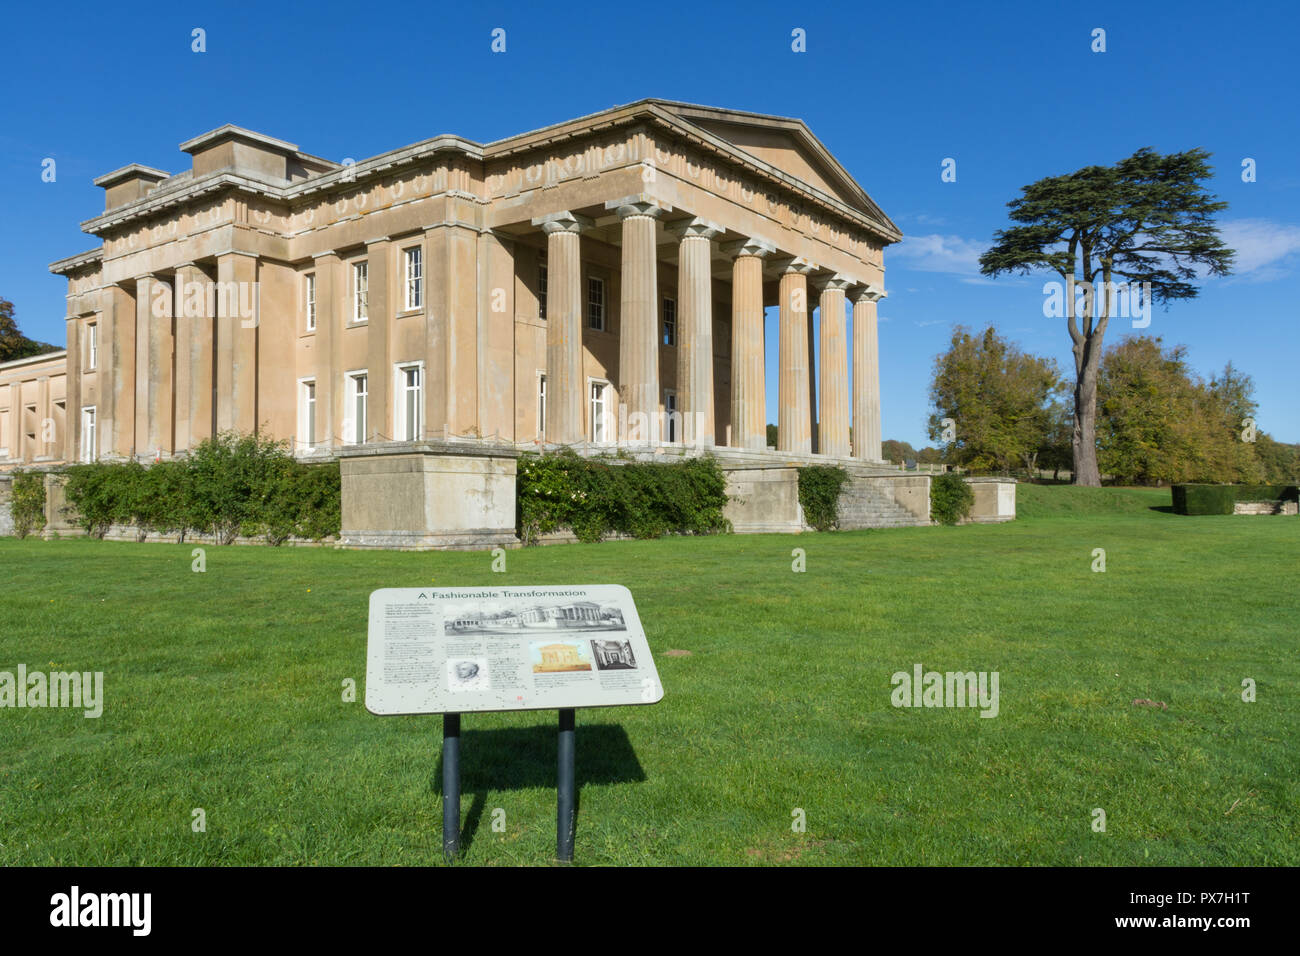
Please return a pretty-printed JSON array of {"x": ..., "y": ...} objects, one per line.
[{"x": 863, "y": 505}]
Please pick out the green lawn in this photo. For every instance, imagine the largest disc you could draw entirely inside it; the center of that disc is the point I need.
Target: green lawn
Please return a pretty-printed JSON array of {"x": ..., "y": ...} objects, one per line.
[{"x": 223, "y": 691}]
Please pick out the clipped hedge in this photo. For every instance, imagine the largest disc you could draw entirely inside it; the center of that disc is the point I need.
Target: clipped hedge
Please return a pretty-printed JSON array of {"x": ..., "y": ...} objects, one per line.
[
  {"x": 229, "y": 486},
  {"x": 819, "y": 494},
  {"x": 27, "y": 503},
  {"x": 951, "y": 498},
  {"x": 1193, "y": 499},
  {"x": 597, "y": 497}
]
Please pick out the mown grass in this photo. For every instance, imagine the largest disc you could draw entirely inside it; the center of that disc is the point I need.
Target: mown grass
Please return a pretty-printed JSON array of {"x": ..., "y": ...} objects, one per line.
[{"x": 223, "y": 692}]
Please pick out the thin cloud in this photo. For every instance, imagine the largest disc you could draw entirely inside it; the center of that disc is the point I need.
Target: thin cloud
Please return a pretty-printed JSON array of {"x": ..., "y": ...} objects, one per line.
[
  {"x": 938, "y": 253},
  {"x": 1265, "y": 250}
]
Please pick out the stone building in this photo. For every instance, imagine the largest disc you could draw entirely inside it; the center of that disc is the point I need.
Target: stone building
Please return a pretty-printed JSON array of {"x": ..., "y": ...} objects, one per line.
[
  {"x": 600, "y": 280},
  {"x": 426, "y": 314}
]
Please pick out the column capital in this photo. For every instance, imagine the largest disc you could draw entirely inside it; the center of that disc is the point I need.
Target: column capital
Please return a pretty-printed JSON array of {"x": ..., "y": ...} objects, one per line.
[
  {"x": 835, "y": 282},
  {"x": 757, "y": 248},
  {"x": 694, "y": 228},
  {"x": 868, "y": 292},
  {"x": 638, "y": 205},
  {"x": 563, "y": 221},
  {"x": 795, "y": 264},
  {"x": 327, "y": 252}
]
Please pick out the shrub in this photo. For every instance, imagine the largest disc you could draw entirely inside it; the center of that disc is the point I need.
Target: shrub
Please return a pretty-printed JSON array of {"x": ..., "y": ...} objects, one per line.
[
  {"x": 97, "y": 496},
  {"x": 230, "y": 485},
  {"x": 951, "y": 498},
  {"x": 819, "y": 494},
  {"x": 1193, "y": 499},
  {"x": 598, "y": 497},
  {"x": 28, "y": 502}
]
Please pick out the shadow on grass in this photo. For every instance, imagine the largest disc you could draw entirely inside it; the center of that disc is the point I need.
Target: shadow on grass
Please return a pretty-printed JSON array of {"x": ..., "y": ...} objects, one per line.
[
  {"x": 522, "y": 758},
  {"x": 1163, "y": 509}
]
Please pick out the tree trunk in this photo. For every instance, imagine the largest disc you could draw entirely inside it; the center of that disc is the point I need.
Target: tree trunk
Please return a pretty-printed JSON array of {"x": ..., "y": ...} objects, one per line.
[{"x": 1085, "y": 415}]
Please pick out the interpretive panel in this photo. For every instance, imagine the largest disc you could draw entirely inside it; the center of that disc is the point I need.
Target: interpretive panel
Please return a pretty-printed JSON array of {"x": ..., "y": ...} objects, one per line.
[{"x": 461, "y": 650}]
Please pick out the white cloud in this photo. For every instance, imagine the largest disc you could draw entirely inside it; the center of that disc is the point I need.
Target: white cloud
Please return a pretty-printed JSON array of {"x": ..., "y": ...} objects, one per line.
[
  {"x": 1265, "y": 250},
  {"x": 936, "y": 253}
]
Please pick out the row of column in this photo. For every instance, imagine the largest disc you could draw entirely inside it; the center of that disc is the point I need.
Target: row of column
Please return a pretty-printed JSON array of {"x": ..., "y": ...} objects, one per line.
[
  {"x": 639, "y": 338},
  {"x": 174, "y": 372}
]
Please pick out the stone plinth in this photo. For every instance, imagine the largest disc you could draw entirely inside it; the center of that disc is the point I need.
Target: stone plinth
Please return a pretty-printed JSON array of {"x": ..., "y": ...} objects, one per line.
[
  {"x": 428, "y": 495},
  {"x": 995, "y": 500},
  {"x": 763, "y": 500}
]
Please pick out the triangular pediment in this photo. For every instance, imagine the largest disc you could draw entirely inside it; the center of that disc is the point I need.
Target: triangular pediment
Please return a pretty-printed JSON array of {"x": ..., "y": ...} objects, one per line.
[{"x": 789, "y": 146}]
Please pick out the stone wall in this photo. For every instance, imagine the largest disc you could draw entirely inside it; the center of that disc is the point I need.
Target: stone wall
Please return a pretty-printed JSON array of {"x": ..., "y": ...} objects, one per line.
[{"x": 6, "y": 511}]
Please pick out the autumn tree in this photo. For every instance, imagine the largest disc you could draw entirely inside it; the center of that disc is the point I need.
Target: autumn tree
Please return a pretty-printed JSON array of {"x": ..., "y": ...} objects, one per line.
[
  {"x": 1159, "y": 422},
  {"x": 13, "y": 344},
  {"x": 1145, "y": 224},
  {"x": 995, "y": 401}
]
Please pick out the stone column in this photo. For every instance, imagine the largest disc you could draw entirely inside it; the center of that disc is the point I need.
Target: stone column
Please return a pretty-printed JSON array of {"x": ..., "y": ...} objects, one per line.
[
  {"x": 833, "y": 427},
  {"x": 695, "y": 330},
  {"x": 117, "y": 374},
  {"x": 866, "y": 374},
  {"x": 329, "y": 327},
  {"x": 183, "y": 345},
  {"x": 196, "y": 313},
  {"x": 638, "y": 334},
  {"x": 158, "y": 440},
  {"x": 71, "y": 438},
  {"x": 379, "y": 370},
  {"x": 794, "y": 421},
  {"x": 236, "y": 320},
  {"x": 748, "y": 369},
  {"x": 565, "y": 385},
  {"x": 46, "y": 447},
  {"x": 142, "y": 426}
]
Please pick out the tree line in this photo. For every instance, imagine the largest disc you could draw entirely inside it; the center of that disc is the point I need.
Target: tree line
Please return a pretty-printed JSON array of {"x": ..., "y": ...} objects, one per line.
[{"x": 999, "y": 409}]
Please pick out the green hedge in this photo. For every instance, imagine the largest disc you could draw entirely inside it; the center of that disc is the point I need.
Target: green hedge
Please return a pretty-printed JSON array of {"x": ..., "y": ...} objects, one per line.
[
  {"x": 819, "y": 494},
  {"x": 951, "y": 498},
  {"x": 596, "y": 497},
  {"x": 230, "y": 486},
  {"x": 28, "y": 502},
  {"x": 1192, "y": 499}
]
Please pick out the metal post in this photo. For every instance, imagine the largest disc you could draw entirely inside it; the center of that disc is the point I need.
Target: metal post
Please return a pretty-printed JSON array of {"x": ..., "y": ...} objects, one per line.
[
  {"x": 450, "y": 786},
  {"x": 564, "y": 816}
]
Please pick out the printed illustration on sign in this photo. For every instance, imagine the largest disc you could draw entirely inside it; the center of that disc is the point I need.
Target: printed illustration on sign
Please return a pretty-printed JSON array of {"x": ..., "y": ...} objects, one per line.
[{"x": 559, "y": 657}]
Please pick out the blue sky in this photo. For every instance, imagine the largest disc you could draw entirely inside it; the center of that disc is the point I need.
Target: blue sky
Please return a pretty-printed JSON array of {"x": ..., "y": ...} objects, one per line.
[{"x": 1012, "y": 92}]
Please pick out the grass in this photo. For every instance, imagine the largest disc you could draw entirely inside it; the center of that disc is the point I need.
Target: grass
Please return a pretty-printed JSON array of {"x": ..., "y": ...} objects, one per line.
[{"x": 223, "y": 692}]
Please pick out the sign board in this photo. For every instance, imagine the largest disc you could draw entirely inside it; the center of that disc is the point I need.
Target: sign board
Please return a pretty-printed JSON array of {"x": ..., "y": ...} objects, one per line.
[{"x": 461, "y": 650}]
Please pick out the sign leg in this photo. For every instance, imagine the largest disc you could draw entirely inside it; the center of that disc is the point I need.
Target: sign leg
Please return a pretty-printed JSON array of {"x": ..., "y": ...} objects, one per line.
[
  {"x": 564, "y": 817},
  {"x": 450, "y": 786}
]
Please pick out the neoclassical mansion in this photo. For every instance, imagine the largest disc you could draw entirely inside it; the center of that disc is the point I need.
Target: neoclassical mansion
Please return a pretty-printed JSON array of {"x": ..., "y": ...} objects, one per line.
[{"x": 601, "y": 280}]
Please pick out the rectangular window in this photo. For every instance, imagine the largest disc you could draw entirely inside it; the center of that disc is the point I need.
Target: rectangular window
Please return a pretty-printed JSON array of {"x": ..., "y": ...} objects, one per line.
[
  {"x": 307, "y": 416},
  {"x": 596, "y": 304},
  {"x": 88, "y": 445},
  {"x": 670, "y": 321},
  {"x": 310, "y": 296},
  {"x": 541, "y": 291},
  {"x": 358, "y": 395},
  {"x": 674, "y": 419},
  {"x": 360, "y": 291},
  {"x": 598, "y": 411},
  {"x": 92, "y": 347},
  {"x": 410, "y": 402},
  {"x": 541, "y": 407},
  {"x": 414, "y": 279}
]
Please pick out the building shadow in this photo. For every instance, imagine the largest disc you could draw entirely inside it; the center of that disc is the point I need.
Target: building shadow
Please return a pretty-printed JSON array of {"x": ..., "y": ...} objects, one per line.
[{"x": 523, "y": 758}]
